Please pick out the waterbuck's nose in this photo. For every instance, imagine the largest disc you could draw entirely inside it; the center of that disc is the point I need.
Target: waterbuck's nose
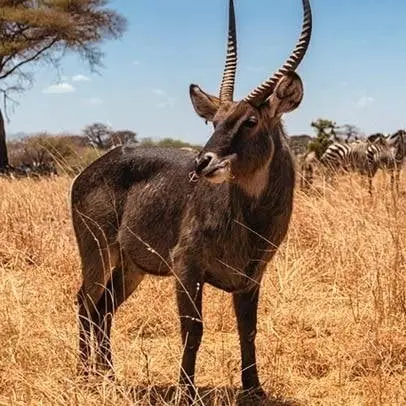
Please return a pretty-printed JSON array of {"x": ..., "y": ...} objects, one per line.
[{"x": 204, "y": 161}]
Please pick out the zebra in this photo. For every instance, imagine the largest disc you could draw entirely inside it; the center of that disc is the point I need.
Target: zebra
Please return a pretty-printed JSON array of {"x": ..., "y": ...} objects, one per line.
[
  {"x": 388, "y": 153},
  {"x": 347, "y": 157},
  {"x": 337, "y": 157},
  {"x": 308, "y": 163},
  {"x": 343, "y": 157}
]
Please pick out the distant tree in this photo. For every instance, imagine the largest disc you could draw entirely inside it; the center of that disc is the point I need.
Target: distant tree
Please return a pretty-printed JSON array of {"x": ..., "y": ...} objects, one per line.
[
  {"x": 349, "y": 132},
  {"x": 98, "y": 134},
  {"x": 68, "y": 152},
  {"x": 3, "y": 145},
  {"x": 36, "y": 149},
  {"x": 44, "y": 148},
  {"x": 168, "y": 143},
  {"x": 326, "y": 134},
  {"x": 78, "y": 141},
  {"x": 147, "y": 142},
  {"x": 171, "y": 143},
  {"x": 327, "y": 127},
  {"x": 299, "y": 143},
  {"x": 121, "y": 137},
  {"x": 33, "y": 32}
]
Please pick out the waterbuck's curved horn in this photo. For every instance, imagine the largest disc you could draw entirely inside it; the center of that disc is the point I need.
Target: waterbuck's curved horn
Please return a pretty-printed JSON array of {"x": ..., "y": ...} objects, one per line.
[
  {"x": 230, "y": 68},
  {"x": 263, "y": 91}
]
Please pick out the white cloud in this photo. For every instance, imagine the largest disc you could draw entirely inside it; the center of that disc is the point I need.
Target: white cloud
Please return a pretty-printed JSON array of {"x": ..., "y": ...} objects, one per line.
[
  {"x": 80, "y": 78},
  {"x": 60, "y": 88},
  {"x": 136, "y": 62},
  {"x": 168, "y": 103},
  {"x": 364, "y": 101},
  {"x": 159, "y": 92},
  {"x": 95, "y": 101}
]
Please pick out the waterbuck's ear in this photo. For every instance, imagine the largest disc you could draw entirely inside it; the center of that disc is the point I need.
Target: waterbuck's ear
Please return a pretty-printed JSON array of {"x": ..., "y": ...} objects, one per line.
[
  {"x": 287, "y": 95},
  {"x": 205, "y": 105}
]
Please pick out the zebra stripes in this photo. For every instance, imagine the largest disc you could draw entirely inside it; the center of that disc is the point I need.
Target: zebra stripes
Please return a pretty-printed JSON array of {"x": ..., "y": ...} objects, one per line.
[
  {"x": 363, "y": 156},
  {"x": 388, "y": 153},
  {"x": 398, "y": 142},
  {"x": 338, "y": 155}
]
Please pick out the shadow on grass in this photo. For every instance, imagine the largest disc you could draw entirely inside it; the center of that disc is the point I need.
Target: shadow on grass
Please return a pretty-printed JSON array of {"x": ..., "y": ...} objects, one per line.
[{"x": 207, "y": 396}]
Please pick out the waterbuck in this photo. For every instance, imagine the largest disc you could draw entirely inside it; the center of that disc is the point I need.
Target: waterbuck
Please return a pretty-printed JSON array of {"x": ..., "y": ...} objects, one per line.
[{"x": 217, "y": 218}]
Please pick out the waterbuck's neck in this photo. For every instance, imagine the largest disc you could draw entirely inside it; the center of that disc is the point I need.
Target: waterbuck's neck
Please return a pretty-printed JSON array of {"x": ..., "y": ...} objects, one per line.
[{"x": 269, "y": 192}]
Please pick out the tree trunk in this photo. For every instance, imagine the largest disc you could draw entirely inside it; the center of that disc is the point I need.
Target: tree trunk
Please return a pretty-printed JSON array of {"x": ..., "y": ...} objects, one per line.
[{"x": 3, "y": 147}]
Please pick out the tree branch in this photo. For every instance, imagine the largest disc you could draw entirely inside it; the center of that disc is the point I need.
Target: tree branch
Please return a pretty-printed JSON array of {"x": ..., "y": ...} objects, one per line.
[
  {"x": 7, "y": 98},
  {"x": 30, "y": 59}
]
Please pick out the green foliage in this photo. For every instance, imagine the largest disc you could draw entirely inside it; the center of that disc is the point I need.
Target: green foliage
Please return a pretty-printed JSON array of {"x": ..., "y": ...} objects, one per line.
[
  {"x": 167, "y": 143},
  {"x": 43, "y": 31},
  {"x": 33, "y": 32},
  {"x": 70, "y": 153},
  {"x": 349, "y": 132},
  {"x": 102, "y": 136},
  {"x": 147, "y": 142},
  {"x": 325, "y": 135},
  {"x": 328, "y": 131}
]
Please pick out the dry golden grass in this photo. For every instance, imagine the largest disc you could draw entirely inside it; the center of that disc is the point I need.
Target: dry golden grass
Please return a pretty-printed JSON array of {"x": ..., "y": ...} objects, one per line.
[{"x": 332, "y": 310}]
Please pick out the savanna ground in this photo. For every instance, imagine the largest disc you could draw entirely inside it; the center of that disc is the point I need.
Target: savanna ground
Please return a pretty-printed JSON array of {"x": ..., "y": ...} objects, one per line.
[{"x": 332, "y": 309}]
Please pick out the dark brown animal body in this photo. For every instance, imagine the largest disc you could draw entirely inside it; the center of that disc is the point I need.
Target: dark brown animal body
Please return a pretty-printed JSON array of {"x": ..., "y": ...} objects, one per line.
[{"x": 216, "y": 219}]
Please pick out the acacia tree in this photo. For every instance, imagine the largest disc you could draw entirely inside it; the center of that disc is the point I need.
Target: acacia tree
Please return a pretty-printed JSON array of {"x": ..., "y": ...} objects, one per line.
[
  {"x": 102, "y": 136},
  {"x": 326, "y": 133},
  {"x": 349, "y": 132},
  {"x": 98, "y": 134},
  {"x": 121, "y": 137},
  {"x": 43, "y": 31}
]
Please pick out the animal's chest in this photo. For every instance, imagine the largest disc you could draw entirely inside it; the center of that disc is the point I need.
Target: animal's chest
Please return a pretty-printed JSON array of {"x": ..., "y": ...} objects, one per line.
[
  {"x": 232, "y": 260},
  {"x": 232, "y": 241}
]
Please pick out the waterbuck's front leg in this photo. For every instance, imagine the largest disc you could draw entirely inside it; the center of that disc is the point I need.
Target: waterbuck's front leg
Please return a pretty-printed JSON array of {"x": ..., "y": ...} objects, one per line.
[
  {"x": 246, "y": 307},
  {"x": 189, "y": 288}
]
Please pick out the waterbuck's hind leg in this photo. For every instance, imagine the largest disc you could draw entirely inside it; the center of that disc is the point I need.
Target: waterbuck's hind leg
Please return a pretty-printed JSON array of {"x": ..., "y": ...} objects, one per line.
[
  {"x": 98, "y": 257},
  {"x": 246, "y": 307},
  {"x": 94, "y": 269},
  {"x": 121, "y": 285},
  {"x": 85, "y": 316}
]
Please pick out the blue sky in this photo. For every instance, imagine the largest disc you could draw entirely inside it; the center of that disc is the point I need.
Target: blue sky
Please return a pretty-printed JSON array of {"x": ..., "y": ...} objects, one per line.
[{"x": 354, "y": 71}]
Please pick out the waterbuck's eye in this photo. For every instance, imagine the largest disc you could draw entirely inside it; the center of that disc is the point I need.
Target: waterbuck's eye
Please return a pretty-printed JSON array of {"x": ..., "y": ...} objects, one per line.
[{"x": 250, "y": 122}]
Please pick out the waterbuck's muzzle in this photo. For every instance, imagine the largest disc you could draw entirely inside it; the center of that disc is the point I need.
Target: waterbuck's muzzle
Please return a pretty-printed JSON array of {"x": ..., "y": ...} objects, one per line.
[{"x": 213, "y": 168}]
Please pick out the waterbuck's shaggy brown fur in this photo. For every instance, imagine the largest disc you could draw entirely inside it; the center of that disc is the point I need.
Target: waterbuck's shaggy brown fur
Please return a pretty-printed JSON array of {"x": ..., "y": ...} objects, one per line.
[{"x": 216, "y": 219}]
